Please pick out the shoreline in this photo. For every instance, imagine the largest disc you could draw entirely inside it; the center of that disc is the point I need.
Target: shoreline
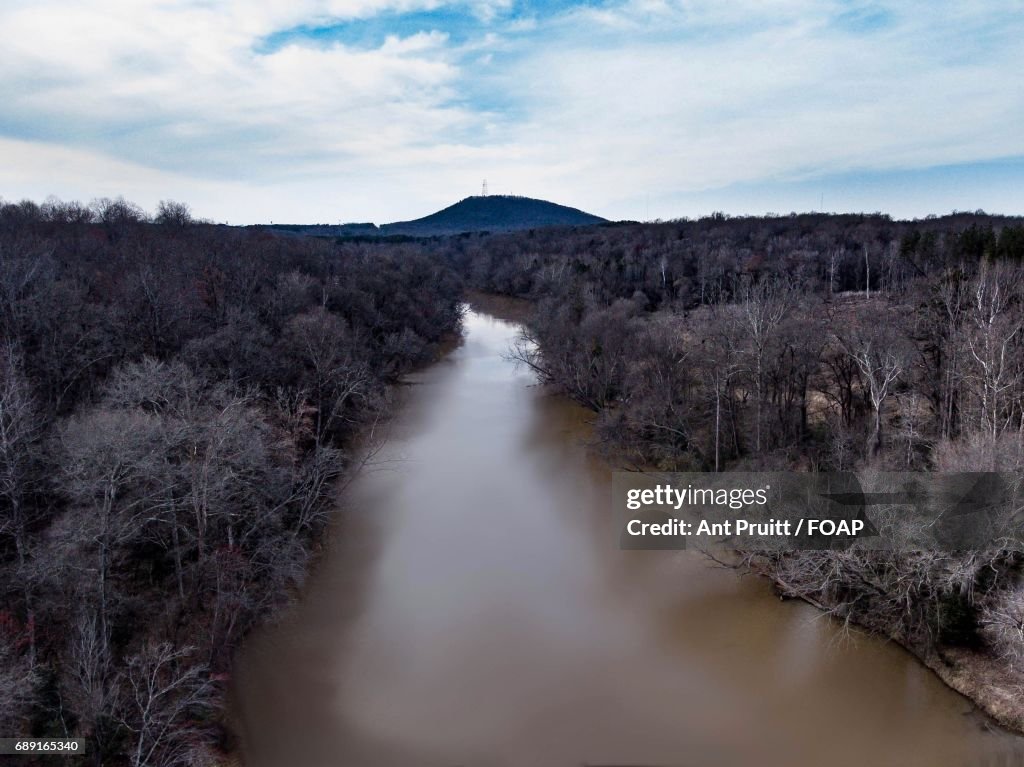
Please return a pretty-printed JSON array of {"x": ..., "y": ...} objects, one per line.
[
  {"x": 361, "y": 448},
  {"x": 979, "y": 677}
]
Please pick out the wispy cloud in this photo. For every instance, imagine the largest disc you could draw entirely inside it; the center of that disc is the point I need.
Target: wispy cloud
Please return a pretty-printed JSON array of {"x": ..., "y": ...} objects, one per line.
[{"x": 378, "y": 109}]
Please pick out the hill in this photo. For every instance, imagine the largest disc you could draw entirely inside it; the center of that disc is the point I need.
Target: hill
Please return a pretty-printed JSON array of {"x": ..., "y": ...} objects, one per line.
[{"x": 494, "y": 213}]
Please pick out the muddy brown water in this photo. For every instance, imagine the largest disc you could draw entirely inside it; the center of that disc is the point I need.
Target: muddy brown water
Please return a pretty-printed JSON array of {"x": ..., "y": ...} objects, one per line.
[{"x": 473, "y": 609}]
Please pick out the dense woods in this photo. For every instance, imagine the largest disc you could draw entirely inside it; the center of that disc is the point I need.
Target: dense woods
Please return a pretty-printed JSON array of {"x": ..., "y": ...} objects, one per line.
[
  {"x": 811, "y": 343},
  {"x": 177, "y": 400}
]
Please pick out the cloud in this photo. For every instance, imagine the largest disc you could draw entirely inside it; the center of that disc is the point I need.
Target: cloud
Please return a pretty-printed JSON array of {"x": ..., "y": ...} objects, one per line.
[
  {"x": 709, "y": 96},
  {"x": 183, "y": 89},
  {"x": 381, "y": 109}
]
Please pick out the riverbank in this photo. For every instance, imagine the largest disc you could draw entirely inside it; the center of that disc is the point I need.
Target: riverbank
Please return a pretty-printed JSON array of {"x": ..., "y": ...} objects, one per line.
[
  {"x": 471, "y": 608},
  {"x": 993, "y": 683},
  {"x": 990, "y": 683},
  {"x": 177, "y": 404}
]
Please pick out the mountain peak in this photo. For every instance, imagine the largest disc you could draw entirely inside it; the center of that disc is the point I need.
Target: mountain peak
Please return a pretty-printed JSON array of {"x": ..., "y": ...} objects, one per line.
[{"x": 493, "y": 213}]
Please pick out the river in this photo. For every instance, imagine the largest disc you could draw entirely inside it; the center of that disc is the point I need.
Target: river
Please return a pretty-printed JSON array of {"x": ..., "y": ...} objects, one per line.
[{"x": 472, "y": 609}]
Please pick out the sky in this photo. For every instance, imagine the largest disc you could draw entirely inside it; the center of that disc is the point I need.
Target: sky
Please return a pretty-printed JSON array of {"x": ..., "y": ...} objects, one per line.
[{"x": 327, "y": 111}]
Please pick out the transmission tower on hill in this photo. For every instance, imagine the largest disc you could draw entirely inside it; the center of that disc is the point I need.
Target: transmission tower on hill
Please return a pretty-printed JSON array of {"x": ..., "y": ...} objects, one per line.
[{"x": 483, "y": 191}]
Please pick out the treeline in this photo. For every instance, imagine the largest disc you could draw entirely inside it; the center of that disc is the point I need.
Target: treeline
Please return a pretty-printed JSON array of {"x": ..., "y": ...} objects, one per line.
[
  {"x": 812, "y": 343},
  {"x": 177, "y": 400}
]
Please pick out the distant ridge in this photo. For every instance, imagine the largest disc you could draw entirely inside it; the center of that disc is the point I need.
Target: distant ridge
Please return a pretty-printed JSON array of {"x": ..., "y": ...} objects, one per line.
[{"x": 494, "y": 213}]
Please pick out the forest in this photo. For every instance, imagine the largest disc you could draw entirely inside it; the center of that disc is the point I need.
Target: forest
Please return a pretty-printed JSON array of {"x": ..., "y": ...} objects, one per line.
[
  {"x": 180, "y": 402},
  {"x": 177, "y": 403},
  {"x": 806, "y": 343}
]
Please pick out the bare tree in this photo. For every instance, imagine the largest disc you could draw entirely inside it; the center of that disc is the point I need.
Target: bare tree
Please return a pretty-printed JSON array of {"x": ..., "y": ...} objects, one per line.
[
  {"x": 867, "y": 274},
  {"x": 87, "y": 678},
  {"x": 833, "y": 263},
  {"x": 720, "y": 357},
  {"x": 954, "y": 300},
  {"x": 164, "y": 693},
  {"x": 993, "y": 340},
  {"x": 20, "y": 431},
  {"x": 881, "y": 355},
  {"x": 765, "y": 305},
  {"x": 103, "y": 457},
  {"x": 337, "y": 376},
  {"x": 173, "y": 214},
  {"x": 18, "y": 683},
  {"x": 1002, "y": 620}
]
